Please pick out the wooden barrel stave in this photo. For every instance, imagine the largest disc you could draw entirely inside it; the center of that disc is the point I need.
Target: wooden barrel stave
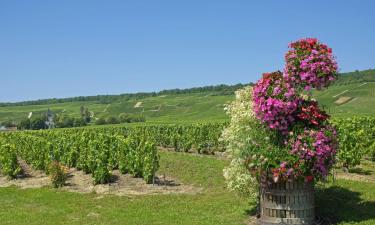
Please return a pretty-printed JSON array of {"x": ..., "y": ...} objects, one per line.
[{"x": 287, "y": 203}]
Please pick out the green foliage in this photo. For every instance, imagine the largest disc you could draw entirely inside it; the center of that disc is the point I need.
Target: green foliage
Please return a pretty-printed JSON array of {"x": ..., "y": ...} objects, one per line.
[
  {"x": 100, "y": 121},
  {"x": 38, "y": 122},
  {"x": 95, "y": 151},
  {"x": 58, "y": 174},
  {"x": 201, "y": 137},
  {"x": 112, "y": 120},
  {"x": 99, "y": 160},
  {"x": 138, "y": 157},
  {"x": 8, "y": 123},
  {"x": 356, "y": 139},
  {"x": 150, "y": 161},
  {"x": 24, "y": 124},
  {"x": 8, "y": 161},
  {"x": 131, "y": 118},
  {"x": 79, "y": 122},
  {"x": 356, "y": 77},
  {"x": 63, "y": 120}
]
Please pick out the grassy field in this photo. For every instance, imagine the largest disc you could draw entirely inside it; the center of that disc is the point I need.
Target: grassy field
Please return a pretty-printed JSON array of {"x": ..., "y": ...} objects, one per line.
[{"x": 341, "y": 202}]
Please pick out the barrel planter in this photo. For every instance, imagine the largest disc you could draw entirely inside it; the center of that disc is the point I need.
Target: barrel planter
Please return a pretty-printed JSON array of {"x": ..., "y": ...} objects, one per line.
[{"x": 287, "y": 202}]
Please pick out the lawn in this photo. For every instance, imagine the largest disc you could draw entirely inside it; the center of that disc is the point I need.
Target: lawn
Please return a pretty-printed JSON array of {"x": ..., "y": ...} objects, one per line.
[{"x": 342, "y": 202}]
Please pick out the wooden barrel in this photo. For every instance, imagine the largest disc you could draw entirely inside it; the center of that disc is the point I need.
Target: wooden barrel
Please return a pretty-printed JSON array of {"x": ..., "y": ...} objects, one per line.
[{"x": 287, "y": 202}]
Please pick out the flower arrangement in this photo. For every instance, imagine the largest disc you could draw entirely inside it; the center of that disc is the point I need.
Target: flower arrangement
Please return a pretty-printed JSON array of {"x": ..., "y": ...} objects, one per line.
[
  {"x": 275, "y": 101},
  {"x": 311, "y": 114},
  {"x": 287, "y": 135},
  {"x": 310, "y": 64},
  {"x": 315, "y": 151},
  {"x": 302, "y": 128}
]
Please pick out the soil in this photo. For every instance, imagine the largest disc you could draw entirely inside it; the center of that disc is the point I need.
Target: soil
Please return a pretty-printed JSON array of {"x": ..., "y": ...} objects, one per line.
[
  {"x": 30, "y": 178},
  {"x": 355, "y": 177},
  {"x": 215, "y": 154},
  {"x": 121, "y": 185},
  {"x": 364, "y": 172},
  {"x": 253, "y": 220}
]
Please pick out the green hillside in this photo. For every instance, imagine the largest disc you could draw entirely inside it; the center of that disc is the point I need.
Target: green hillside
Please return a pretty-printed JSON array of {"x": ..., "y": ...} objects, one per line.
[
  {"x": 352, "y": 94},
  {"x": 348, "y": 100},
  {"x": 165, "y": 108}
]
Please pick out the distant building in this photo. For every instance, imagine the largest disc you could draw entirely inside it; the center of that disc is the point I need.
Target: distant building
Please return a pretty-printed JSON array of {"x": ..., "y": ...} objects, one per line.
[
  {"x": 49, "y": 123},
  {"x": 4, "y": 129}
]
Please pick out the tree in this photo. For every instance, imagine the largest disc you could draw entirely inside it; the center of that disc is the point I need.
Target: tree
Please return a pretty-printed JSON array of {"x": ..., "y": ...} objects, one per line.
[
  {"x": 131, "y": 118},
  {"x": 112, "y": 120},
  {"x": 100, "y": 121},
  {"x": 124, "y": 118},
  {"x": 63, "y": 120},
  {"x": 24, "y": 124},
  {"x": 82, "y": 109},
  {"x": 79, "y": 122},
  {"x": 8, "y": 124},
  {"x": 87, "y": 115},
  {"x": 38, "y": 122}
]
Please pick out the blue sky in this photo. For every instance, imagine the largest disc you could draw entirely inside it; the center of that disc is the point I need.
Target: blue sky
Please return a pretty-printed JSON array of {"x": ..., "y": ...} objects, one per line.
[{"x": 75, "y": 47}]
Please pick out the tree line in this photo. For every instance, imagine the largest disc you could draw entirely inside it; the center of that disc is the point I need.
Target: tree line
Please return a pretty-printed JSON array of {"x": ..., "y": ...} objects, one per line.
[
  {"x": 106, "y": 99},
  {"x": 63, "y": 120}
]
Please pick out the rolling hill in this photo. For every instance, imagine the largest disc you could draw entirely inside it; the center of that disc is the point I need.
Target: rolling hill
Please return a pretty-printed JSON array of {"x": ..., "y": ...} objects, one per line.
[{"x": 352, "y": 94}]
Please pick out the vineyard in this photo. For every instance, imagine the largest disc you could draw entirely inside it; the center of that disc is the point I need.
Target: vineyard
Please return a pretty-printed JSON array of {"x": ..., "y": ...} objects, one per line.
[
  {"x": 97, "y": 153},
  {"x": 133, "y": 149},
  {"x": 148, "y": 151}
]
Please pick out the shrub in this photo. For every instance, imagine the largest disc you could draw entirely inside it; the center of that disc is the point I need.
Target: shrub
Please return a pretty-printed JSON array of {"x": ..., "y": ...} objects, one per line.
[
  {"x": 131, "y": 118},
  {"x": 151, "y": 161},
  {"x": 57, "y": 173},
  {"x": 79, "y": 122},
  {"x": 99, "y": 160},
  {"x": 357, "y": 139},
  {"x": 112, "y": 120},
  {"x": 8, "y": 161},
  {"x": 100, "y": 121}
]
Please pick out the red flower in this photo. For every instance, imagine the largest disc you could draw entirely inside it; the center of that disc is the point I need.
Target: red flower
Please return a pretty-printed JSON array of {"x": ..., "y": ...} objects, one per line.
[
  {"x": 309, "y": 178},
  {"x": 310, "y": 113}
]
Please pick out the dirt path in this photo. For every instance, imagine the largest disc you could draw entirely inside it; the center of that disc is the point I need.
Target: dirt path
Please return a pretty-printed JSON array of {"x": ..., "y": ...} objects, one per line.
[
  {"x": 30, "y": 178},
  {"x": 194, "y": 152},
  {"x": 122, "y": 185},
  {"x": 354, "y": 177}
]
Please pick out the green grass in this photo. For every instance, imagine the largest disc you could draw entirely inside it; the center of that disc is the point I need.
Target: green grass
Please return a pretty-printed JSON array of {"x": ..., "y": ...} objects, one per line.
[
  {"x": 347, "y": 202},
  {"x": 342, "y": 202}
]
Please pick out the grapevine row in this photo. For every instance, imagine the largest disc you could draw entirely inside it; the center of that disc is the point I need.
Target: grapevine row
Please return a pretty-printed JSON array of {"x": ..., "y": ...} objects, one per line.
[
  {"x": 132, "y": 149},
  {"x": 93, "y": 152}
]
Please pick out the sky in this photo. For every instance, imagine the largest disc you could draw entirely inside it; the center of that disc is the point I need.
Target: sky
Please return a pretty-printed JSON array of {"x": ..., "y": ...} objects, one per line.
[{"x": 54, "y": 49}]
